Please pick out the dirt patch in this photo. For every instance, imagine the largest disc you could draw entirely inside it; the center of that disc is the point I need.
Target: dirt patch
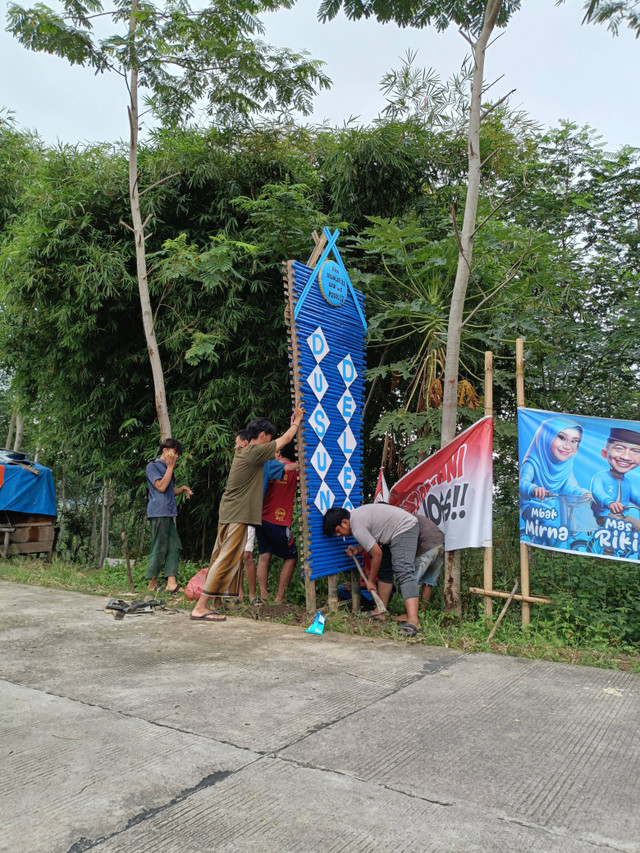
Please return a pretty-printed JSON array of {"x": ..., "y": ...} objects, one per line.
[{"x": 290, "y": 612}]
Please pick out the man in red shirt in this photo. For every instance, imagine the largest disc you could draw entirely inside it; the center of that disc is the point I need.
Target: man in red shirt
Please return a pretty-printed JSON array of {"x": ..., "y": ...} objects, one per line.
[{"x": 274, "y": 534}]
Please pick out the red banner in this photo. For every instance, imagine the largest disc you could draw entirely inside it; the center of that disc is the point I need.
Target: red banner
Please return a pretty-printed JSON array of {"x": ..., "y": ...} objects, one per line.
[{"x": 454, "y": 488}]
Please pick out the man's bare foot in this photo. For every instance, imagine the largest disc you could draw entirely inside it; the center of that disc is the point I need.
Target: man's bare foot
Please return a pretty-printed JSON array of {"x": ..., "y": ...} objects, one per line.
[
  {"x": 379, "y": 617},
  {"x": 152, "y": 585}
]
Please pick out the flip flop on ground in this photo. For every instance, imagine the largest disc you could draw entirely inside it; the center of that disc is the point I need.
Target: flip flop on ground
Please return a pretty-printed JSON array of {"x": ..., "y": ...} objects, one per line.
[
  {"x": 408, "y": 630},
  {"x": 174, "y": 590},
  {"x": 210, "y": 616}
]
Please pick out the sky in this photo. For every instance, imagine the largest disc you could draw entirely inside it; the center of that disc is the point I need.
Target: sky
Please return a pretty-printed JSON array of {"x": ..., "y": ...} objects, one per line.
[{"x": 559, "y": 69}]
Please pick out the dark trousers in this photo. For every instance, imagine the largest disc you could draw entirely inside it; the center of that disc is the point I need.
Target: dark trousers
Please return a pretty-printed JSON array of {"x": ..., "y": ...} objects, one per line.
[{"x": 165, "y": 548}]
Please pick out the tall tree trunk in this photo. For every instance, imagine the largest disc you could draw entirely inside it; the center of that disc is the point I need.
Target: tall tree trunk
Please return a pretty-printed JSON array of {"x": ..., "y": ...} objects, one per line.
[
  {"x": 104, "y": 537},
  {"x": 141, "y": 259},
  {"x": 63, "y": 517},
  {"x": 12, "y": 425},
  {"x": 19, "y": 427},
  {"x": 93, "y": 536},
  {"x": 465, "y": 257}
]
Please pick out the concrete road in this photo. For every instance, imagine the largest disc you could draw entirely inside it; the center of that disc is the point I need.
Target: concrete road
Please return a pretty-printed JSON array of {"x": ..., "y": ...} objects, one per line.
[{"x": 155, "y": 733}]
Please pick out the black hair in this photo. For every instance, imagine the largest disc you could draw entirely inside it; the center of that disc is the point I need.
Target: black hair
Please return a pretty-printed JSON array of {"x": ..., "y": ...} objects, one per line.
[
  {"x": 289, "y": 451},
  {"x": 332, "y": 518},
  {"x": 242, "y": 435},
  {"x": 170, "y": 444},
  {"x": 258, "y": 425}
]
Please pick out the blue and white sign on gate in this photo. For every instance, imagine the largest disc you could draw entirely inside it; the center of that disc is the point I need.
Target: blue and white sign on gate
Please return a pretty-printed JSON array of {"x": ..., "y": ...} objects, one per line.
[{"x": 328, "y": 337}]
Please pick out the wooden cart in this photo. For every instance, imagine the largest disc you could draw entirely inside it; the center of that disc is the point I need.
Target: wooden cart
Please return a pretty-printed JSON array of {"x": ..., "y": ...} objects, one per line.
[{"x": 21, "y": 533}]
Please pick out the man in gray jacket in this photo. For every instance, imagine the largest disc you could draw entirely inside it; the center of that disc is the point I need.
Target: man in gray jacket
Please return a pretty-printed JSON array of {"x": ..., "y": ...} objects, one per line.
[{"x": 373, "y": 525}]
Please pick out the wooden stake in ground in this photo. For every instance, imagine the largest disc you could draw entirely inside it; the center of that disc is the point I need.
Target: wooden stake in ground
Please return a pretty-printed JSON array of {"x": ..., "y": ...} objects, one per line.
[{"x": 127, "y": 561}]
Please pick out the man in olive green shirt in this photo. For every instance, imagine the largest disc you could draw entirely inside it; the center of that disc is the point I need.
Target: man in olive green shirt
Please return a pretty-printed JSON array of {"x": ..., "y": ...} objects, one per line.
[{"x": 241, "y": 505}]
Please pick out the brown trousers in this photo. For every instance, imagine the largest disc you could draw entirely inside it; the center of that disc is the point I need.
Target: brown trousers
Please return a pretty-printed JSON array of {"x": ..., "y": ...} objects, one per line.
[{"x": 224, "y": 577}]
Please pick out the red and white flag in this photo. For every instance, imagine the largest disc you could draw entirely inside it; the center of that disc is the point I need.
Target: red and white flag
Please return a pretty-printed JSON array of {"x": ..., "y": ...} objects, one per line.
[
  {"x": 381, "y": 493},
  {"x": 454, "y": 488}
]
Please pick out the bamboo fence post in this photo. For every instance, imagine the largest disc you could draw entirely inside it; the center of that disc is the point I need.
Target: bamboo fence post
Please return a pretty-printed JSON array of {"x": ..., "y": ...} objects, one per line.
[
  {"x": 524, "y": 548},
  {"x": 332, "y": 592},
  {"x": 355, "y": 591},
  {"x": 488, "y": 552}
]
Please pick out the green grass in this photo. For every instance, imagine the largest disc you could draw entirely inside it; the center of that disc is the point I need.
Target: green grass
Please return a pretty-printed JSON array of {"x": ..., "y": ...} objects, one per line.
[{"x": 552, "y": 635}]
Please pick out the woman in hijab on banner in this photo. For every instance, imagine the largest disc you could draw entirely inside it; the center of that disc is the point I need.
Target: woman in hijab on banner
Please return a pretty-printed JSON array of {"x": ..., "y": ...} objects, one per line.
[{"x": 547, "y": 471}]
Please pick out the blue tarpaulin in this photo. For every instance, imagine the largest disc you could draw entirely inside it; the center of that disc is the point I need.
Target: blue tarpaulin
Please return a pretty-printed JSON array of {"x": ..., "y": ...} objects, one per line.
[{"x": 22, "y": 490}]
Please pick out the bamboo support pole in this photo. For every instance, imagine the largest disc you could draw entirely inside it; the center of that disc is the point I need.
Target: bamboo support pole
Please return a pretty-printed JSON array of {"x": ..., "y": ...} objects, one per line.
[
  {"x": 309, "y": 584},
  {"x": 355, "y": 591},
  {"x": 524, "y": 548},
  {"x": 488, "y": 552},
  {"x": 495, "y": 593},
  {"x": 504, "y": 610},
  {"x": 332, "y": 592}
]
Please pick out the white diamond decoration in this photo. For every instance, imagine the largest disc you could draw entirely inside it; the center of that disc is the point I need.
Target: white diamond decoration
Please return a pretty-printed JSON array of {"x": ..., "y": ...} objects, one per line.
[
  {"x": 321, "y": 461},
  {"x": 318, "y": 382},
  {"x": 319, "y": 421},
  {"x": 347, "y": 370},
  {"x": 347, "y": 478},
  {"x": 347, "y": 504},
  {"x": 318, "y": 345},
  {"x": 324, "y": 499},
  {"x": 346, "y": 405},
  {"x": 347, "y": 442}
]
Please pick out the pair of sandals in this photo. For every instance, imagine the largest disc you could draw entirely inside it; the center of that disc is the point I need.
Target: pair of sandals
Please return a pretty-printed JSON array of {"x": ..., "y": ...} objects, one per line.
[{"x": 119, "y": 608}]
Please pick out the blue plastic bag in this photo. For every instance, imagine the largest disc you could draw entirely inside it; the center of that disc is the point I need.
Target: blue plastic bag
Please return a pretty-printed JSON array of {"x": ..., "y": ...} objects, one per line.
[{"x": 317, "y": 626}]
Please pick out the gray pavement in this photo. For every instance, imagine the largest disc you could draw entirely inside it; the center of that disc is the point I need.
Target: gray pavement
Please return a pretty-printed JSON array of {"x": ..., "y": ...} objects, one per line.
[{"x": 155, "y": 733}]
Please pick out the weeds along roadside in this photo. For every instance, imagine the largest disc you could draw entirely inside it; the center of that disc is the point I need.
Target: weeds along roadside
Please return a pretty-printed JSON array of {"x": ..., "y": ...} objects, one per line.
[{"x": 571, "y": 630}]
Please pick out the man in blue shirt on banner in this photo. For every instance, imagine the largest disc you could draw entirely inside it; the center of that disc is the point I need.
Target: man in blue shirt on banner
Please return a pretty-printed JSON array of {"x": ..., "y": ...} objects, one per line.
[{"x": 612, "y": 493}]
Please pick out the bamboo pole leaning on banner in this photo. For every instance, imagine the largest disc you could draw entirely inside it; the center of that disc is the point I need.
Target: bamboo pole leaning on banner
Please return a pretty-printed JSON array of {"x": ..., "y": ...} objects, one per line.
[
  {"x": 488, "y": 552},
  {"x": 524, "y": 548},
  {"x": 309, "y": 584}
]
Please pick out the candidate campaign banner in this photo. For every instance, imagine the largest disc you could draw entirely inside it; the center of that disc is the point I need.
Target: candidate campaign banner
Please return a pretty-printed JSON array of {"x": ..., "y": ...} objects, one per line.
[
  {"x": 454, "y": 488},
  {"x": 579, "y": 484}
]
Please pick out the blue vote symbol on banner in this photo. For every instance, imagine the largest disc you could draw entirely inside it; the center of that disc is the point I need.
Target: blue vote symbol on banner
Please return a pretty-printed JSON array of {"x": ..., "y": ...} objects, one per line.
[{"x": 330, "y": 331}]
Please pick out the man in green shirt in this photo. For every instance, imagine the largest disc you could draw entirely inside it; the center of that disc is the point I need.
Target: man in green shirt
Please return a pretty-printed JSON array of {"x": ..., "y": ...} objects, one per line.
[{"x": 241, "y": 505}]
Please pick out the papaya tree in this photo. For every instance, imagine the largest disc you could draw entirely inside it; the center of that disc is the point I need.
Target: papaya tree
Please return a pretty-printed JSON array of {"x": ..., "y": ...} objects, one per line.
[{"x": 477, "y": 21}]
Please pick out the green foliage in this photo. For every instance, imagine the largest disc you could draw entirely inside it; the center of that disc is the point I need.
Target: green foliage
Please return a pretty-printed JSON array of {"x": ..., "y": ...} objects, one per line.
[
  {"x": 555, "y": 261},
  {"x": 614, "y": 13},
  {"x": 467, "y": 14},
  {"x": 186, "y": 59}
]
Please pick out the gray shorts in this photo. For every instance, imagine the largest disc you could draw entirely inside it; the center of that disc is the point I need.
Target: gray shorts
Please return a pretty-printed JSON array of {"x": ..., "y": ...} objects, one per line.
[
  {"x": 403, "y": 555},
  {"x": 429, "y": 565}
]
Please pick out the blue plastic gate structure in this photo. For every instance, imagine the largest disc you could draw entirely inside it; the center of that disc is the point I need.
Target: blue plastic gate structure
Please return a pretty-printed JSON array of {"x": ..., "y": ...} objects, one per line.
[{"x": 327, "y": 329}]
